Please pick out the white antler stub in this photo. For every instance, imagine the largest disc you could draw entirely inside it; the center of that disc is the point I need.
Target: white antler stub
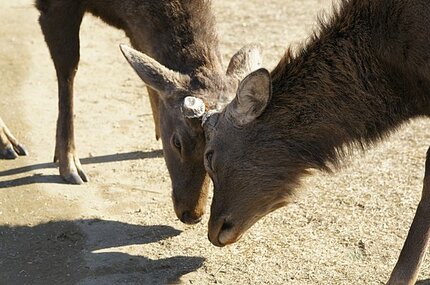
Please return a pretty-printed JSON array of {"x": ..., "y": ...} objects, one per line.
[{"x": 193, "y": 107}]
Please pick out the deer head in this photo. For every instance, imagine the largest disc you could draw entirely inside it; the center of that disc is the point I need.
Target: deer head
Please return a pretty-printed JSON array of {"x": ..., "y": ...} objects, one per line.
[
  {"x": 184, "y": 98},
  {"x": 241, "y": 160}
]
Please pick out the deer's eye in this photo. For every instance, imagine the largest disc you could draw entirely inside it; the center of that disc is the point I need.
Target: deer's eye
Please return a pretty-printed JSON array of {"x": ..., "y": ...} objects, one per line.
[
  {"x": 208, "y": 157},
  {"x": 176, "y": 142}
]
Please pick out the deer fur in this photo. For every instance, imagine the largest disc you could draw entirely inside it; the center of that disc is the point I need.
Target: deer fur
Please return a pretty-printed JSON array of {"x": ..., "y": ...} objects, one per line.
[
  {"x": 361, "y": 76},
  {"x": 176, "y": 54}
]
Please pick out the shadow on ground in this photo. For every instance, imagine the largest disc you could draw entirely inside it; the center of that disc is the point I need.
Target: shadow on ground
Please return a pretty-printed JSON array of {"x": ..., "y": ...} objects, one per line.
[
  {"x": 65, "y": 252},
  {"x": 49, "y": 179}
]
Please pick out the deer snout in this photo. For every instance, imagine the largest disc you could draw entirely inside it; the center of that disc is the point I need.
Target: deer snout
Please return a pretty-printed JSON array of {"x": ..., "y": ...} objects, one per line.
[
  {"x": 188, "y": 213},
  {"x": 222, "y": 232},
  {"x": 188, "y": 216},
  {"x": 191, "y": 218}
]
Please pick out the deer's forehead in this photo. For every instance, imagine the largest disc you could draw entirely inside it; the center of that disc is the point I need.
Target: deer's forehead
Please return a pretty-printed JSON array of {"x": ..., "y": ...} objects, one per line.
[
  {"x": 209, "y": 80},
  {"x": 221, "y": 134},
  {"x": 213, "y": 89}
]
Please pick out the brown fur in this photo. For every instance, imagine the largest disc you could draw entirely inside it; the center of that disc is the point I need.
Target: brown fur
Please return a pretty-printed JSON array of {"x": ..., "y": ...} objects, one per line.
[
  {"x": 178, "y": 34},
  {"x": 359, "y": 78},
  {"x": 344, "y": 89}
]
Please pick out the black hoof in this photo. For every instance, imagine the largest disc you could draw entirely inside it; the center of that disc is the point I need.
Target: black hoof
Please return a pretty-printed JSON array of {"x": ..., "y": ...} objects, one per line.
[
  {"x": 9, "y": 153},
  {"x": 21, "y": 150}
]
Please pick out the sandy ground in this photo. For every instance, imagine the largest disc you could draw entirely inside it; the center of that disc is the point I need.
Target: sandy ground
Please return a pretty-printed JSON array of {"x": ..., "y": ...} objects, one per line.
[{"x": 120, "y": 228}]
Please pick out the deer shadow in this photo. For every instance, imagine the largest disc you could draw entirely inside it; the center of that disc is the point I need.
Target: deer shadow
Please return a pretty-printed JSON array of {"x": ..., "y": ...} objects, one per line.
[
  {"x": 423, "y": 282},
  {"x": 56, "y": 179},
  {"x": 80, "y": 252}
]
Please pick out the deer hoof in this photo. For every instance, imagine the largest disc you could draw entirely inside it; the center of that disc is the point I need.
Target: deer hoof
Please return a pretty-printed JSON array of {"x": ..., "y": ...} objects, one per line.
[
  {"x": 9, "y": 153},
  {"x": 13, "y": 151},
  {"x": 73, "y": 178},
  {"x": 71, "y": 169},
  {"x": 20, "y": 149},
  {"x": 83, "y": 176}
]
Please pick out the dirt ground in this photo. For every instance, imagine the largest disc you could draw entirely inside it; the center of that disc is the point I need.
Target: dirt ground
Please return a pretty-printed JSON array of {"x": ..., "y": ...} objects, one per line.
[{"x": 120, "y": 228}]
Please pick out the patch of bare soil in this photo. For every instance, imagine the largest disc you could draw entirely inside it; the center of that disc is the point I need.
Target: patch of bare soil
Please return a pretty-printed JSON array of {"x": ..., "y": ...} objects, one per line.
[{"x": 120, "y": 228}]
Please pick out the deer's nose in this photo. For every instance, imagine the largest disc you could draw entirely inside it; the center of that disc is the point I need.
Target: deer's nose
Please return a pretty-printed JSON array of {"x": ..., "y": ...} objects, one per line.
[
  {"x": 223, "y": 232},
  {"x": 215, "y": 230},
  {"x": 188, "y": 218}
]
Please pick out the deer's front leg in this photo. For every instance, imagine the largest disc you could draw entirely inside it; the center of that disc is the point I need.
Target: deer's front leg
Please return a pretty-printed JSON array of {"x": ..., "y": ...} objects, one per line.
[
  {"x": 10, "y": 148},
  {"x": 413, "y": 251},
  {"x": 60, "y": 25},
  {"x": 65, "y": 154}
]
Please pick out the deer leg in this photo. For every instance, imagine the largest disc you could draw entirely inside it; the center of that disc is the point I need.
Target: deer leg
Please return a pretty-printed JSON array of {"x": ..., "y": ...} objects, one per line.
[
  {"x": 413, "y": 251},
  {"x": 153, "y": 99},
  {"x": 60, "y": 23},
  {"x": 10, "y": 148}
]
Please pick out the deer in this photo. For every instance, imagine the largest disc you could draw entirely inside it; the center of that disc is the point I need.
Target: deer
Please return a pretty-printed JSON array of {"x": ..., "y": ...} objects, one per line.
[
  {"x": 361, "y": 75},
  {"x": 10, "y": 147},
  {"x": 175, "y": 51}
]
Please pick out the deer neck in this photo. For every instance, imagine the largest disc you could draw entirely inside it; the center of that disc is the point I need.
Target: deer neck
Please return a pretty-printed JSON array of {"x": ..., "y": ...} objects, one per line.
[
  {"x": 337, "y": 93},
  {"x": 182, "y": 36}
]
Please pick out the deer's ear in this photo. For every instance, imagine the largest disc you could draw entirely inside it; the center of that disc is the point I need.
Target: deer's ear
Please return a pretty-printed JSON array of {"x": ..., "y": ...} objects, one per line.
[
  {"x": 246, "y": 60},
  {"x": 252, "y": 97},
  {"x": 154, "y": 74}
]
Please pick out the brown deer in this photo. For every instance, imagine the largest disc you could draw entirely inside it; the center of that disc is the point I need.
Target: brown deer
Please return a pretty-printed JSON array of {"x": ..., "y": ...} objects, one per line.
[
  {"x": 10, "y": 148},
  {"x": 364, "y": 73},
  {"x": 181, "y": 58}
]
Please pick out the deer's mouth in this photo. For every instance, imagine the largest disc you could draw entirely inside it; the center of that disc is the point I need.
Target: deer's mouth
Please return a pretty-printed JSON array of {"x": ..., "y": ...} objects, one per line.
[
  {"x": 223, "y": 232},
  {"x": 226, "y": 230}
]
